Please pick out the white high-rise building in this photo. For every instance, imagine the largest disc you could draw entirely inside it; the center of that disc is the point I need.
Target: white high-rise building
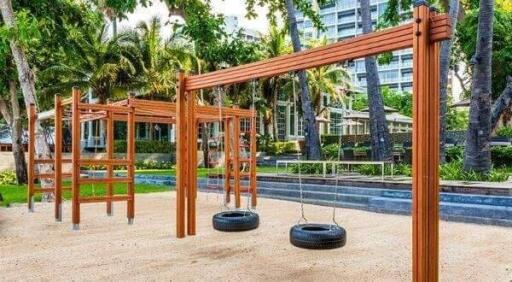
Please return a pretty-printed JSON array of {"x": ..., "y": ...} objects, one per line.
[{"x": 342, "y": 20}]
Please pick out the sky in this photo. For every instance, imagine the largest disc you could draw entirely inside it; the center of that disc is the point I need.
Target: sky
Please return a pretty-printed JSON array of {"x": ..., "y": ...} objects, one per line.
[{"x": 226, "y": 7}]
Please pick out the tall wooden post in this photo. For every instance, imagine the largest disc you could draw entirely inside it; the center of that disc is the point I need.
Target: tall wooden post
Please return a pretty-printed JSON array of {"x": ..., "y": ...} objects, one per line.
[
  {"x": 110, "y": 156},
  {"x": 32, "y": 116},
  {"x": 58, "y": 158},
  {"x": 181, "y": 156},
  {"x": 236, "y": 159},
  {"x": 425, "y": 150},
  {"x": 227, "y": 160},
  {"x": 131, "y": 157},
  {"x": 192, "y": 162},
  {"x": 75, "y": 159},
  {"x": 252, "y": 166}
]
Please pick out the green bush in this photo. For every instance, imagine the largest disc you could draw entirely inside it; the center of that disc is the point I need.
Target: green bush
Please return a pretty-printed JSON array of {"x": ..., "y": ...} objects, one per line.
[
  {"x": 146, "y": 146},
  {"x": 152, "y": 164},
  {"x": 328, "y": 139},
  {"x": 454, "y": 153},
  {"x": 331, "y": 151},
  {"x": 504, "y": 131},
  {"x": 455, "y": 171},
  {"x": 280, "y": 148},
  {"x": 8, "y": 177},
  {"x": 310, "y": 168},
  {"x": 501, "y": 156}
]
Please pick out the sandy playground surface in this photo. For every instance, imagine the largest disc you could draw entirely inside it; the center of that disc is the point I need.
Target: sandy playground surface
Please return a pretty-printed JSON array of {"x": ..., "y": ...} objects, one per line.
[{"x": 34, "y": 247}]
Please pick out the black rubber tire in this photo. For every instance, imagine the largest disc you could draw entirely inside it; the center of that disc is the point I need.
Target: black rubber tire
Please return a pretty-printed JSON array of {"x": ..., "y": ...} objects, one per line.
[
  {"x": 234, "y": 221},
  {"x": 318, "y": 236}
]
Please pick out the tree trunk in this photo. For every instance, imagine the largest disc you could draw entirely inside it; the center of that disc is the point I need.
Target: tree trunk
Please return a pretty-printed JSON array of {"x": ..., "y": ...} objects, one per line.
[
  {"x": 501, "y": 104},
  {"x": 204, "y": 142},
  {"x": 445, "y": 54},
  {"x": 379, "y": 133},
  {"x": 477, "y": 154},
  {"x": 27, "y": 84},
  {"x": 12, "y": 116},
  {"x": 311, "y": 137}
]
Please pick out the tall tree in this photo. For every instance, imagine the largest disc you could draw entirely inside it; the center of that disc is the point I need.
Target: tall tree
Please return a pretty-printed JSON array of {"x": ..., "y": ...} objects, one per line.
[
  {"x": 25, "y": 73},
  {"x": 444, "y": 65},
  {"x": 477, "y": 154},
  {"x": 311, "y": 135},
  {"x": 379, "y": 133}
]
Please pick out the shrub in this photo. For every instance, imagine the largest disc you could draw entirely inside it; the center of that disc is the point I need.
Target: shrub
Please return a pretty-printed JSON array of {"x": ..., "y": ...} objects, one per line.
[
  {"x": 8, "y": 177},
  {"x": 152, "y": 164},
  {"x": 280, "y": 148},
  {"x": 331, "y": 151},
  {"x": 455, "y": 171},
  {"x": 501, "y": 156},
  {"x": 328, "y": 139},
  {"x": 146, "y": 146},
  {"x": 504, "y": 131},
  {"x": 454, "y": 153},
  {"x": 310, "y": 168}
]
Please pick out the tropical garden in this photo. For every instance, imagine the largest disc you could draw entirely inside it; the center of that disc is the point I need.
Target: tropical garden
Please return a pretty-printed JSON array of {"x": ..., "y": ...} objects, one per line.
[{"x": 46, "y": 47}]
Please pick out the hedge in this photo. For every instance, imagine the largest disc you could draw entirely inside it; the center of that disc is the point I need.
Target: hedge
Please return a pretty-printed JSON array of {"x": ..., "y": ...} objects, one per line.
[
  {"x": 280, "y": 148},
  {"x": 146, "y": 146}
]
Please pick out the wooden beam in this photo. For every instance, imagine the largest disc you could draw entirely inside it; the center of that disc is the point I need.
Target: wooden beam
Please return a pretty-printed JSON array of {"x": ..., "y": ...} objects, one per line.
[
  {"x": 130, "y": 211},
  {"x": 425, "y": 149},
  {"x": 58, "y": 158},
  {"x": 227, "y": 162},
  {"x": 75, "y": 157},
  {"x": 236, "y": 160},
  {"x": 181, "y": 180},
  {"x": 391, "y": 39},
  {"x": 192, "y": 162},
  {"x": 110, "y": 156},
  {"x": 252, "y": 166}
]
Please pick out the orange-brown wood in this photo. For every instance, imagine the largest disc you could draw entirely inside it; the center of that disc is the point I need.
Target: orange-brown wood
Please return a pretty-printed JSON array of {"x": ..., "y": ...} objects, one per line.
[
  {"x": 58, "y": 158},
  {"x": 75, "y": 157},
  {"x": 180, "y": 155},
  {"x": 236, "y": 160},
  {"x": 227, "y": 158},
  {"x": 425, "y": 149},
  {"x": 252, "y": 166},
  {"x": 110, "y": 156},
  {"x": 131, "y": 157},
  {"x": 192, "y": 162}
]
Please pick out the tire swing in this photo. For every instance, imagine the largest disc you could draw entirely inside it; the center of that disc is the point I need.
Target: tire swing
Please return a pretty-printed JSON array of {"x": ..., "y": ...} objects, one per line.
[
  {"x": 233, "y": 220},
  {"x": 315, "y": 235}
]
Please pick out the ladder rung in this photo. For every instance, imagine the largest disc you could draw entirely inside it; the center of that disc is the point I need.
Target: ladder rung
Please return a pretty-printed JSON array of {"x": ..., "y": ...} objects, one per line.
[
  {"x": 44, "y": 161},
  {"x": 44, "y": 175},
  {"x": 44, "y": 190},
  {"x": 105, "y": 180},
  {"x": 104, "y": 162},
  {"x": 99, "y": 199}
]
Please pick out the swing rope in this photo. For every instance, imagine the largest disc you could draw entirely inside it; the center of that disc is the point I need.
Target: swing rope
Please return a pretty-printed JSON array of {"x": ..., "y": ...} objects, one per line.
[{"x": 222, "y": 148}]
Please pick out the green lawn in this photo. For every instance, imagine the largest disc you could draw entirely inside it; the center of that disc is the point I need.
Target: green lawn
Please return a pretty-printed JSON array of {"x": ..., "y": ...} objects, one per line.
[{"x": 18, "y": 193}]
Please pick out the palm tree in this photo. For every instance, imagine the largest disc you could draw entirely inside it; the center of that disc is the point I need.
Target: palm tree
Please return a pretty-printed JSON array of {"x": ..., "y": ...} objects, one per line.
[
  {"x": 312, "y": 140},
  {"x": 477, "y": 154},
  {"x": 331, "y": 80},
  {"x": 159, "y": 60},
  {"x": 103, "y": 65},
  {"x": 379, "y": 133},
  {"x": 274, "y": 44}
]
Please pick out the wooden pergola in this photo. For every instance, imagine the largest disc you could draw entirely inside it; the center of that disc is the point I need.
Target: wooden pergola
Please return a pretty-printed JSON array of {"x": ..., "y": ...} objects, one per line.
[
  {"x": 131, "y": 111},
  {"x": 424, "y": 34}
]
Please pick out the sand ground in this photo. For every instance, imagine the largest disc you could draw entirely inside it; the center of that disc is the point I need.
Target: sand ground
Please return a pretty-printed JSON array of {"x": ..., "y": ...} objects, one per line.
[{"x": 34, "y": 247}]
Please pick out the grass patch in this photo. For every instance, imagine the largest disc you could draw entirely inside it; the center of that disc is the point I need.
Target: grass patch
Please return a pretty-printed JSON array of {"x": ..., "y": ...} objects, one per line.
[{"x": 18, "y": 193}]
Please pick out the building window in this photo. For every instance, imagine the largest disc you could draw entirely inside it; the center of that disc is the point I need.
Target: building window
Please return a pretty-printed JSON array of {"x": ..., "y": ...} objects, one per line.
[
  {"x": 336, "y": 119},
  {"x": 281, "y": 122}
]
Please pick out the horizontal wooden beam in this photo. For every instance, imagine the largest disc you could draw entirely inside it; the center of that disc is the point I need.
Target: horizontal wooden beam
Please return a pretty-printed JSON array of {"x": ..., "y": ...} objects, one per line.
[{"x": 391, "y": 39}]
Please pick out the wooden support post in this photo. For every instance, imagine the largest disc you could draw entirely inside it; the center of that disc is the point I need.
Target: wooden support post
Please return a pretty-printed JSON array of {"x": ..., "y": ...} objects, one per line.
[
  {"x": 252, "y": 166},
  {"x": 227, "y": 160},
  {"x": 130, "y": 155},
  {"x": 32, "y": 116},
  {"x": 192, "y": 162},
  {"x": 58, "y": 158},
  {"x": 236, "y": 160},
  {"x": 425, "y": 150},
  {"x": 75, "y": 159},
  {"x": 110, "y": 156},
  {"x": 181, "y": 156}
]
